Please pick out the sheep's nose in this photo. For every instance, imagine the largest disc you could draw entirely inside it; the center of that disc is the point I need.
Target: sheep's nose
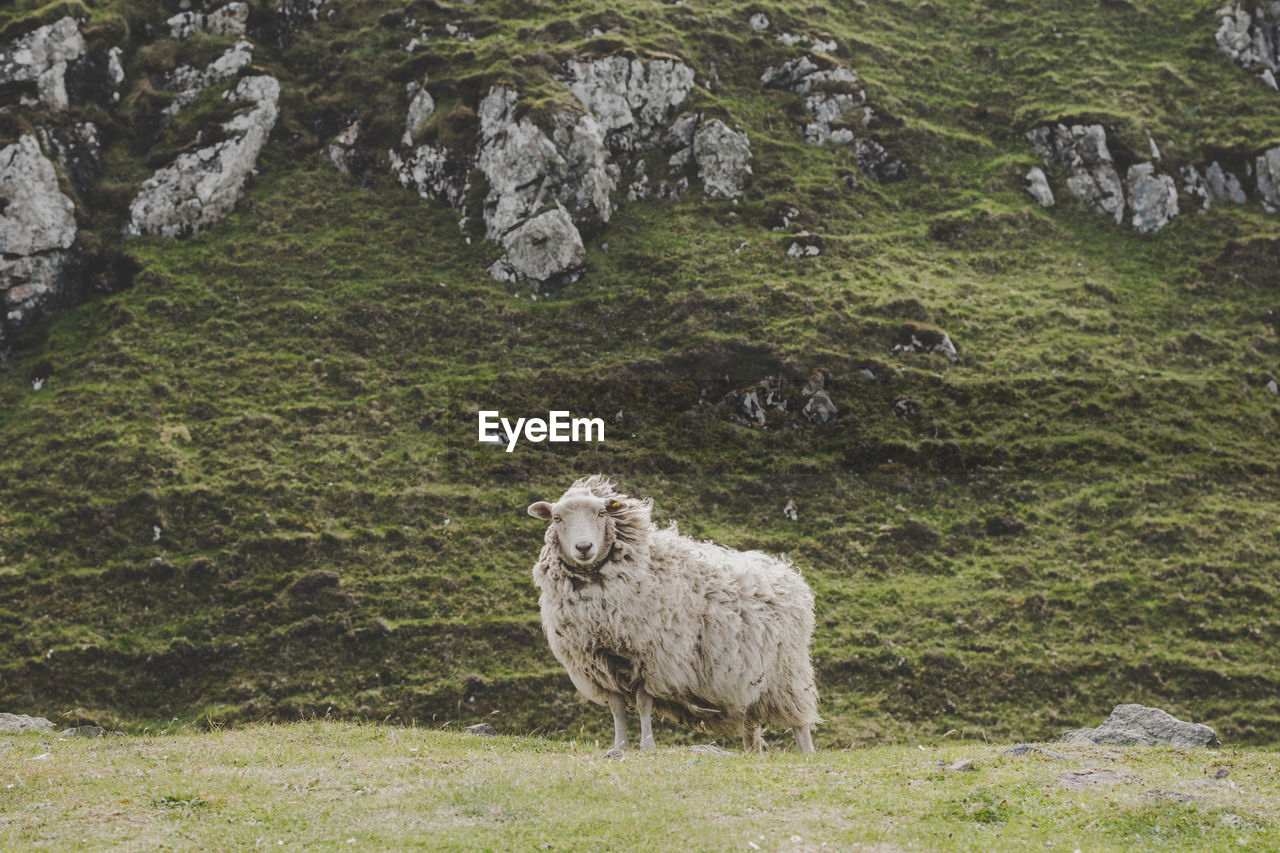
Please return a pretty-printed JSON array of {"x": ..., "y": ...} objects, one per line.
[{"x": 583, "y": 548}]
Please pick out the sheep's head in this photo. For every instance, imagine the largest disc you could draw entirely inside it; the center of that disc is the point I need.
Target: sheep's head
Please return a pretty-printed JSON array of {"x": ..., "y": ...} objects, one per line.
[{"x": 588, "y": 519}]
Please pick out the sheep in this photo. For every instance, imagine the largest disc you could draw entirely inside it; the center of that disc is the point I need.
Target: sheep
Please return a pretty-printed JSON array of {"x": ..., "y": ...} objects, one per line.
[{"x": 710, "y": 637}]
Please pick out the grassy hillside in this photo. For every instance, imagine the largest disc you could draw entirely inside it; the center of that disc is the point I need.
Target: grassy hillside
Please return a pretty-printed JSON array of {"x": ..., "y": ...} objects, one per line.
[
  {"x": 332, "y": 786},
  {"x": 249, "y": 487}
]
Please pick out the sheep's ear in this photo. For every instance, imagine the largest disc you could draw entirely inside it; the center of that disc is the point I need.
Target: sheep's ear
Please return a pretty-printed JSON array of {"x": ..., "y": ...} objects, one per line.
[
  {"x": 541, "y": 510},
  {"x": 613, "y": 505}
]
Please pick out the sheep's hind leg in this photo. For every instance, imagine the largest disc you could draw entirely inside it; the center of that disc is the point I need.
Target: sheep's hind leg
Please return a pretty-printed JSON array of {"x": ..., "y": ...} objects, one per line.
[
  {"x": 804, "y": 738},
  {"x": 618, "y": 705},
  {"x": 644, "y": 705},
  {"x": 752, "y": 738}
]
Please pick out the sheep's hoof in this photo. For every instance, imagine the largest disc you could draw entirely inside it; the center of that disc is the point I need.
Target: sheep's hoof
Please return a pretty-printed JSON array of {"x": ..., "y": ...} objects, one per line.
[
  {"x": 614, "y": 753},
  {"x": 648, "y": 745}
]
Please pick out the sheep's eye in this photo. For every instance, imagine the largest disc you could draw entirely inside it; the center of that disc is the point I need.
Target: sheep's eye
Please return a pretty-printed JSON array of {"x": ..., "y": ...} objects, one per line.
[
  {"x": 556, "y": 519},
  {"x": 601, "y": 513}
]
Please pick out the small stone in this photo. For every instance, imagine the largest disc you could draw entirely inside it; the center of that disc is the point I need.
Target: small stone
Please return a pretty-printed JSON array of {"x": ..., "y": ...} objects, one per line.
[
  {"x": 962, "y": 765},
  {"x": 790, "y": 510},
  {"x": 758, "y": 22},
  {"x": 481, "y": 729},
  {"x": 614, "y": 755},
  {"x": 1038, "y": 185}
]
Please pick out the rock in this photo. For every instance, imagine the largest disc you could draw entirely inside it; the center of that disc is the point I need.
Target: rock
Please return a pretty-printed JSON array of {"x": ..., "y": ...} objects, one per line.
[
  {"x": 23, "y": 723},
  {"x": 1081, "y": 151},
  {"x": 199, "y": 188},
  {"x": 723, "y": 158},
  {"x": 1024, "y": 749},
  {"x": 228, "y": 20},
  {"x": 83, "y": 731},
  {"x": 345, "y": 153},
  {"x": 1136, "y": 725},
  {"x": 753, "y": 403},
  {"x": 1038, "y": 185},
  {"x": 614, "y": 755},
  {"x": 803, "y": 75},
  {"x": 1083, "y": 780},
  {"x": 708, "y": 749},
  {"x": 78, "y": 150},
  {"x": 35, "y": 286},
  {"x": 481, "y": 729},
  {"x": 759, "y": 22},
  {"x": 1223, "y": 185},
  {"x": 1004, "y": 525},
  {"x": 1268, "y": 169},
  {"x": 878, "y": 163},
  {"x": 820, "y": 408},
  {"x": 546, "y": 249},
  {"x": 292, "y": 15},
  {"x": 790, "y": 512},
  {"x": 421, "y": 106},
  {"x": 1153, "y": 197},
  {"x": 36, "y": 63},
  {"x": 35, "y": 215},
  {"x": 188, "y": 82},
  {"x": 918, "y": 339},
  {"x": 805, "y": 245},
  {"x": 961, "y": 766},
  {"x": 1195, "y": 187},
  {"x": 430, "y": 170},
  {"x": 632, "y": 99},
  {"x": 1252, "y": 41}
]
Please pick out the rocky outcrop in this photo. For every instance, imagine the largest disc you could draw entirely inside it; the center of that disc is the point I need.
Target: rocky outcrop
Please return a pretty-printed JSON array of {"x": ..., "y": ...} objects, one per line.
[
  {"x": 632, "y": 99},
  {"x": 1252, "y": 40},
  {"x": 1038, "y": 185},
  {"x": 838, "y": 111},
  {"x": 188, "y": 82},
  {"x": 546, "y": 249},
  {"x": 1153, "y": 197},
  {"x": 36, "y": 63},
  {"x": 37, "y": 230},
  {"x": 229, "y": 20},
  {"x": 1267, "y": 168},
  {"x": 1081, "y": 151},
  {"x": 201, "y": 187},
  {"x": 1136, "y": 725}
]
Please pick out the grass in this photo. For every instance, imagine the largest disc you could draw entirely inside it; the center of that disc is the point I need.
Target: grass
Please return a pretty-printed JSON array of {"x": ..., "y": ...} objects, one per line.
[
  {"x": 327, "y": 785},
  {"x": 249, "y": 487}
]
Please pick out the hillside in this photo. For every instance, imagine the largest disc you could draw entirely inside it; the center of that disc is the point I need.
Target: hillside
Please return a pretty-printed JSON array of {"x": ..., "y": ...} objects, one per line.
[{"x": 241, "y": 474}]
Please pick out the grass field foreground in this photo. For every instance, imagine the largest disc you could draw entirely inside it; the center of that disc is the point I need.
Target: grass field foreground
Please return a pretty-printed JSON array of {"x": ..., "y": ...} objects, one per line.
[{"x": 331, "y": 785}]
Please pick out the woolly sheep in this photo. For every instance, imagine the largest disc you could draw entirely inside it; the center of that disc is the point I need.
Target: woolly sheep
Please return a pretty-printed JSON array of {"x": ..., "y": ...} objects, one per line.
[{"x": 711, "y": 637}]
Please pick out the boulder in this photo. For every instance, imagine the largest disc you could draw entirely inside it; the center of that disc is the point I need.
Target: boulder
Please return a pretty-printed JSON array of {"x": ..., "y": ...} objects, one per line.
[
  {"x": 201, "y": 187},
  {"x": 23, "y": 723},
  {"x": 1038, "y": 185},
  {"x": 546, "y": 249},
  {"x": 430, "y": 170},
  {"x": 35, "y": 216},
  {"x": 229, "y": 20},
  {"x": 820, "y": 408},
  {"x": 723, "y": 158},
  {"x": 1153, "y": 197},
  {"x": 1268, "y": 171},
  {"x": 1195, "y": 187},
  {"x": 1137, "y": 725},
  {"x": 188, "y": 82},
  {"x": 35, "y": 64},
  {"x": 1251, "y": 40},
  {"x": 632, "y": 99},
  {"x": 1223, "y": 185},
  {"x": 1081, "y": 151}
]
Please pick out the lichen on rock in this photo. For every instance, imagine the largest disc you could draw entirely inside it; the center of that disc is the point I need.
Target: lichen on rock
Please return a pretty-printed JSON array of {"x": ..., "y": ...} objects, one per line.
[{"x": 39, "y": 60}]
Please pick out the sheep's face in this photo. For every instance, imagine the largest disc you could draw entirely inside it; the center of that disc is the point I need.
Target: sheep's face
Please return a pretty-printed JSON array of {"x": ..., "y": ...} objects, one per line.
[{"x": 581, "y": 525}]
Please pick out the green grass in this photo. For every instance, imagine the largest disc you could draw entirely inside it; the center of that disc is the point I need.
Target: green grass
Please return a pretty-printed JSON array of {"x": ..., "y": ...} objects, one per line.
[
  {"x": 325, "y": 785},
  {"x": 294, "y": 392}
]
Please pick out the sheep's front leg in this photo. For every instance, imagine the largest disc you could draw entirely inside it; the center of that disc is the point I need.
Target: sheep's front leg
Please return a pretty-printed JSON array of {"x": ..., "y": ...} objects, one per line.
[
  {"x": 618, "y": 705},
  {"x": 644, "y": 705},
  {"x": 804, "y": 739}
]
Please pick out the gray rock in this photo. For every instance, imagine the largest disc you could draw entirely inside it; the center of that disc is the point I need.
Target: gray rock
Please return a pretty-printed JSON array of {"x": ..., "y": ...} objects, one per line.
[
  {"x": 431, "y": 170},
  {"x": 709, "y": 749},
  {"x": 421, "y": 106},
  {"x": 344, "y": 150},
  {"x": 23, "y": 723},
  {"x": 199, "y": 188},
  {"x": 878, "y": 163},
  {"x": 78, "y": 150},
  {"x": 1081, "y": 151},
  {"x": 1153, "y": 197},
  {"x": 723, "y": 158},
  {"x": 1195, "y": 187},
  {"x": 546, "y": 248},
  {"x": 37, "y": 62},
  {"x": 1223, "y": 185},
  {"x": 1092, "y": 777},
  {"x": 1038, "y": 185},
  {"x": 291, "y": 15},
  {"x": 36, "y": 215},
  {"x": 1268, "y": 170},
  {"x": 188, "y": 82},
  {"x": 482, "y": 729},
  {"x": 34, "y": 286},
  {"x": 1251, "y": 40},
  {"x": 803, "y": 75},
  {"x": 1024, "y": 749},
  {"x": 820, "y": 408},
  {"x": 632, "y": 99},
  {"x": 759, "y": 22},
  {"x": 229, "y": 20},
  {"x": 1136, "y": 725},
  {"x": 84, "y": 731}
]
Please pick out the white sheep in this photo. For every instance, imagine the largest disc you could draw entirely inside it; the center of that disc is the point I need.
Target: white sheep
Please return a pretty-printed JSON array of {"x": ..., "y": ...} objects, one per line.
[{"x": 711, "y": 637}]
